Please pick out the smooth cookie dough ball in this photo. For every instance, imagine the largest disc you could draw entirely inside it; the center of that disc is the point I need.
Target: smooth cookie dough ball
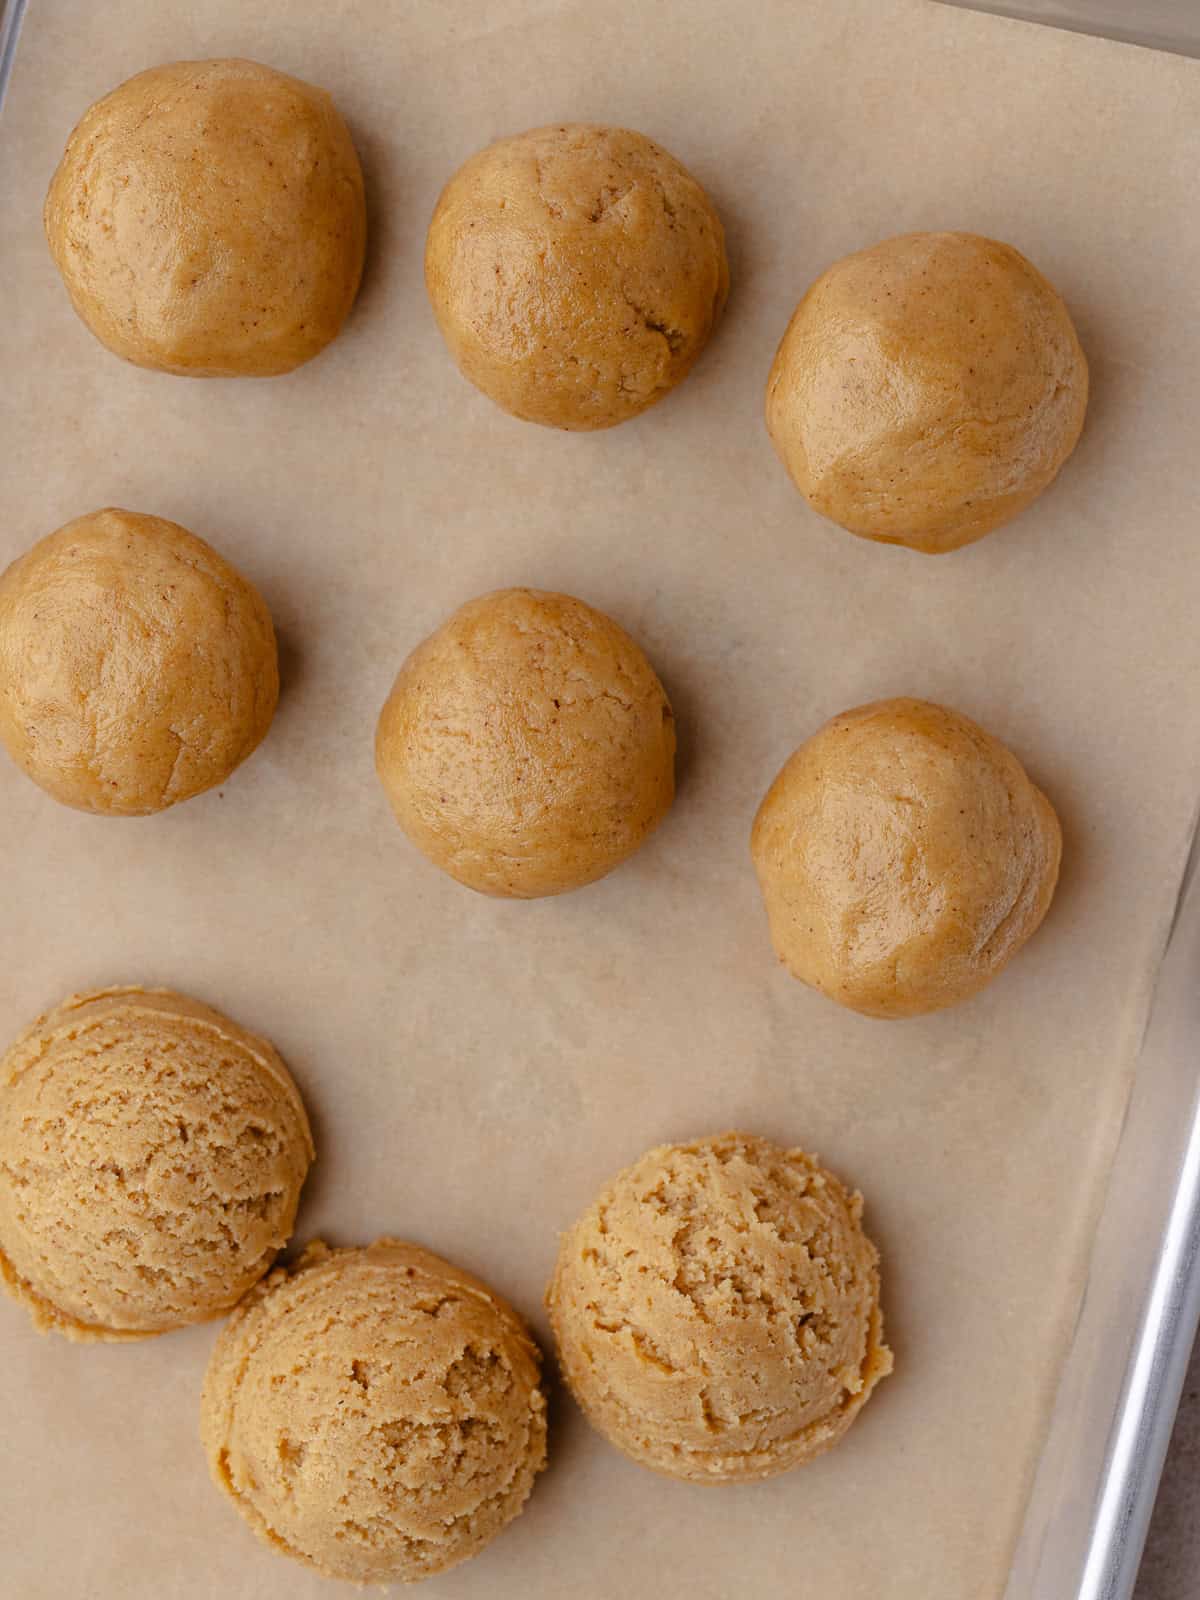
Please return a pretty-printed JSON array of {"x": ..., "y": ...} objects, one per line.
[
  {"x": 151, "y": 1159},
  {"x": 904, "y": 858},
  {"x": 527, "y": 746},
  {"x": 375, "y": 1413},
  {"x": 717, "y": 1310},
  {"x": 208, "y": 219},
  {"x": 137, "y": 668},
  {"x": 927, "y": 390},
  {"x": 576, "y": 273}
]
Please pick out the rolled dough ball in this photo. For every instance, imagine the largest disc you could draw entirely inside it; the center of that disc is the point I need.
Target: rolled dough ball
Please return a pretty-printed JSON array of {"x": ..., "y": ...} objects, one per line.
[
  {"x": 151, "y": 1159},
  {"x": 717, "y": 1310},
  {"x": 927, "y": 390},
  {"x": 576, "y": 272},
  {"x": 904, "y": 858},
  {"x": 375, "y": 1413},
  {"x": 137, "y": 668},
  {"x": 527, "y": 746},
  {"x": 207, "y": 218}
]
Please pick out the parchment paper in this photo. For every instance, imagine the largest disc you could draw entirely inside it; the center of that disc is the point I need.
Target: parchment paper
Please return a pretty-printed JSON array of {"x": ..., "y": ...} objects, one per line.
[{"x": 476, "y": 1068}]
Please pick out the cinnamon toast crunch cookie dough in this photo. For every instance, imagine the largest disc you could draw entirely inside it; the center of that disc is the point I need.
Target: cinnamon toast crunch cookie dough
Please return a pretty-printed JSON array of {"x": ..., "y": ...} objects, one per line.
[
  {"x": 152, "y": 1154},
  {"x": 137, "y": 667},
  {"x": 717, "y": 1310},
  {"x": 208, "y": 219},
  {"x": 904, "y": 858},
  {"x": 527, "y": 746},
  {"x": 927, "y": 390},
  {"x": 376, "y": 1414},
  {"x": 577, "y": 272}
]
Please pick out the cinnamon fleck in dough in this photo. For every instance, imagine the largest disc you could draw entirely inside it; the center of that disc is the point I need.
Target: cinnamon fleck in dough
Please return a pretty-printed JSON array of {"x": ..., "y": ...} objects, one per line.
[
  {"x": 151, "y": 1159},
  {"x": 375, "y": 1413},
  {"x": 927, "y": 390},
  {"x": 208, "y": 219},
  {"x": 904, "y": 858},
  {"x": 576, "y": 272},
  {"x": 717, "y": 1310},
  {"x": 527, "y": 746},
  {"x": 137, "y": 667}
]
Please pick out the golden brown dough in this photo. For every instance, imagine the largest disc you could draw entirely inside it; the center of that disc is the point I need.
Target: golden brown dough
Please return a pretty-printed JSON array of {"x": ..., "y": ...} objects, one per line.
[
  {"x": 208, "y": 219},
  {"x": 717, "y": 1310},
  {"x": 137, "y": 668},
  {"x": 927, "y": 389},
  {"x": 375, "y": 1413},
  {"x": 904, "y": 858},
  {"x": 151, "y": 1159},
  {"x": 576, "y": 272},
  {"x": 527, "y": 746}
]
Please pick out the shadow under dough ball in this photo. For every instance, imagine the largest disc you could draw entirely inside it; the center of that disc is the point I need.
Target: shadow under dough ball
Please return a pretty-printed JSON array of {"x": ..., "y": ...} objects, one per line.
[
  {"x": 375, "y": 1413},
  {"x": 927, "y": 390},
  {"x": 717, "y": 1310},
  {"x": 576, "y": 273},
  {"x": 527, "y": 746},
  {"x": 151, "y": 1159},
  {"x": 137, "y": 668},
  {"x": 904, "y": 858},
  {"x": 208, "y": 219}
]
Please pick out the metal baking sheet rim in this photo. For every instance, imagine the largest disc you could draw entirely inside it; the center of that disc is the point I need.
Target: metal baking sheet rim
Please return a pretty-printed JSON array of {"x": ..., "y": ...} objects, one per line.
[
  {"x": 1097, "y": 1476},
  {"x": 1110, "y": 1426},
  {"x": 1153, "y": 24}
]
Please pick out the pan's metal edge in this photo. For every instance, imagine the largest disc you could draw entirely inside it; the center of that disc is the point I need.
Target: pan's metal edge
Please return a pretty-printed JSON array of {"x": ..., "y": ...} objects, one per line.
[
  {"x": 1096, "y": 1482},
  {"x": 1150, "y": 1397},
  {"x": 12, "y": 14},
  {"x": 1137, "y": 32}
]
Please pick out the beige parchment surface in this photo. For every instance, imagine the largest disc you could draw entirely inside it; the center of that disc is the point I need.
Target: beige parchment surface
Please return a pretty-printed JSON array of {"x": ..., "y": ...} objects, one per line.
[{"x": 476, "y": 1068}]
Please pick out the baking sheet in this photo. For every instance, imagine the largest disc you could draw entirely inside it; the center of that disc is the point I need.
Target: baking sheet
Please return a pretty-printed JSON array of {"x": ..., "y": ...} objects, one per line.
[
  {"x": 1098, "y": 1471},
  {"x": 476, "y": 1068},
  {"x": 1159, "y": 24}
]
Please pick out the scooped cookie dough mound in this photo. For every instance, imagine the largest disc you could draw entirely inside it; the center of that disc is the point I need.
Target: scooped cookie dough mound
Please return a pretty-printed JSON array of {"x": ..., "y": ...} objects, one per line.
[
  {"x": 151, "y": 1159},
  {"x": 375, "y": 1413},
  {"x": 208, "y": 219},
  {"x": 717, "y": 1310},
  {"x": 527, "y": 746},
  {"x": 576, "y": 272},
  {"x": 137, "y": 667}
]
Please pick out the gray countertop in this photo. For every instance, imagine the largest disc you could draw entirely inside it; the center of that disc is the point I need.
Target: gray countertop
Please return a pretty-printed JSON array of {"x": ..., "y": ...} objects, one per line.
[{"x": 1171, "y": 1566}]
